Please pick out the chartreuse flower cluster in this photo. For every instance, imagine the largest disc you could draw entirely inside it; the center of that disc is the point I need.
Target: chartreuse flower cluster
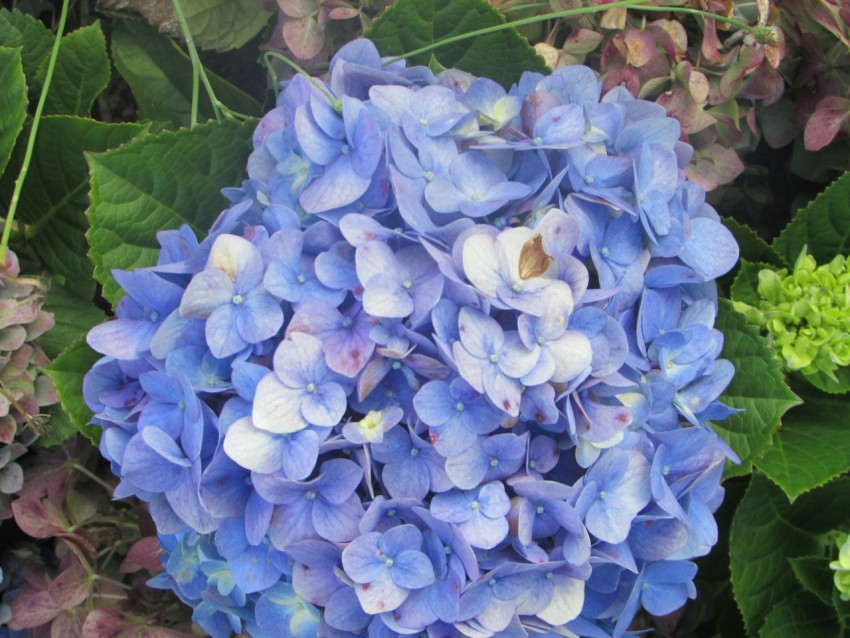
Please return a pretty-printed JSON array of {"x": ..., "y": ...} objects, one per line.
[
  {"x": 444, "y": 367},
  {"x": 806, "y": 313},
  {"x": 841, "y": 567}
]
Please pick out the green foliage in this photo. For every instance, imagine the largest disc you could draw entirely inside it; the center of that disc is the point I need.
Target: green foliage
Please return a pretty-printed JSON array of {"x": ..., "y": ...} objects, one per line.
[
  {"x": 55, "y": 194},
  {"x": 67, "y": 372},
  {"x": 412, "y": 24},
  {"x": 74, "y": 316},
  {"x": 823, "y": 226},
  {"x": 745, "y": 287},
  {"x": 758, "y": 388},
  {"x": 753, "y": 248},
  {"x": 81, "y": 74},
  {"x": 767, "y": 532},
  {"x": 160, "y": 75},
  {"x": 811, "y": 448},
  {"x": 814, "y": 575},
  {"x": 13, "y": 102},
  {"x": 36, "y": 40},
  {"x": 159, "y": 182},
  {"x": 224, "y": 24},
  {"x": 801, "y": 614}
]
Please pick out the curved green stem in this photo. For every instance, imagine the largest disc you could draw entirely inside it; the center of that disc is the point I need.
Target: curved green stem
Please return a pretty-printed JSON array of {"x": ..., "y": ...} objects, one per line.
[
  {"x": 39, "y": 109},
  {"x": 337, "y": 103},
  {"x": 636, "y": 5},
  {"x": 197, "y": 68}
]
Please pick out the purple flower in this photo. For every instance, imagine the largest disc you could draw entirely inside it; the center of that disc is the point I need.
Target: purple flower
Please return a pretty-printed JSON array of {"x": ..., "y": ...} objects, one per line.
[
  {"x": 397, "y": 285},
  {"x": 473, "y": 186},
  {"x": 386, "y": 567},
  {"x": 455, "y": 413},
  {"x": 480, "y": 515},
  {"x": 492, "y": 361},
  {"x": 301, "y": 391},
  {"x": 325, "y": 507},
  {"x": 229, "y": 294}
]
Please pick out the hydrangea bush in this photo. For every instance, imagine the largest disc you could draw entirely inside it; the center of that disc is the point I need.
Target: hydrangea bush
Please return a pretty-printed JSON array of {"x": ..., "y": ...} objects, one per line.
[{"x": 446, "y": 364}]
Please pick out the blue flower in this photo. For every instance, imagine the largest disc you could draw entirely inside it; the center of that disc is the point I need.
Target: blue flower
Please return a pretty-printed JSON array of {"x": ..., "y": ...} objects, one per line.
[
  {"x": 229, "y": 294},
  {"x": 302, "y": 390},
  {"x": 386, "y": 567}
]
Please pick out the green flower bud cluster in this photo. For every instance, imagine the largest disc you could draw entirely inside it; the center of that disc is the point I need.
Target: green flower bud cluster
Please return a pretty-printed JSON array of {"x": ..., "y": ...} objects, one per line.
[
  {"x": 842, "y": 566},
  {"x": 806, "y": 313}
]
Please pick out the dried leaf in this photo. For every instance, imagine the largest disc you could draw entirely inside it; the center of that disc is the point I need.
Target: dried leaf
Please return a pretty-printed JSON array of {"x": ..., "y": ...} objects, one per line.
[
  {"x": 533, "y": 260},
  {"x": 830, "y": 116}
]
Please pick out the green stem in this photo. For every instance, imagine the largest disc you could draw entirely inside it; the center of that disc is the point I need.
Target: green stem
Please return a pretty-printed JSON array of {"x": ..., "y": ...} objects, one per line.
[
  {"x": 636, "y": 5},
  {"x": 197, "y": 67},
  {"x": 337, "y": 103},
  {"x": 42, "y": 99}
]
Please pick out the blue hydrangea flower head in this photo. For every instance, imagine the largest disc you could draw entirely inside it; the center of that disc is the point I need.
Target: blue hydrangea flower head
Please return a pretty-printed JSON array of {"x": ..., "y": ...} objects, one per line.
[{"x": 446, "y": 365}]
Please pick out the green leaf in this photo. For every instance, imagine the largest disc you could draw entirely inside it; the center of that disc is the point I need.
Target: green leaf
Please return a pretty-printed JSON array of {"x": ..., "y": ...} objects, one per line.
[
  {"x": 160, "y": 76},
  {"x": 81, "y": 73},
  {"x": 74, "y": 316},
  {"x": 745, "y": 286},
  {"x": 753, "y": 248},
  {"x": 224, "y": 24},
  {"x": 20, "y": 30},
  {"x": 815, "y": 576},
  {"x": 156, "y": 183},
  {"x": 823, "y": 382},
  {"x": 823, "y": 226},
  {"x": 67, "y": 372},
  {"x": 409, "y": 25},
  {"x": 55, "y": 194},
  {"x": 758, "y": 387},
  {"x": 13, "y": 102},
  {"x": 811, "y": 448},
  {"x": 801, "y": 615},
  {"x": 768, "y": 531}
]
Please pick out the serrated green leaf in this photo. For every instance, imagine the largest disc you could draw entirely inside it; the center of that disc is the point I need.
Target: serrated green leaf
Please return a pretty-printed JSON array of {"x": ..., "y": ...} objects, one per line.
[
  {"x": 81, "y": 73},
  {"x": 55, "y": 195},
  {"x": 156, "y": 183},
  {"x": 745, "y": 286},
  {"x": 811, "y": 448},
  {"x": 224, "y": 24},
  {"x": 160, "y": 76},
  {"x": 815, "y": 576},
  {"x": 67, "y": 372},
  {"x": 823, "y": 226},
  {"x": 768, "y": 531},
  {"x": 408, "y": 25},
  {"x": 753, "y": 248},
  {"x": 20, "y": 30},
  {"x": 758, "y": 387},
  {"x": 13, "y": 102},
  {"x": 74, "y": 316},
  {"x": 801, "y": 615},
  {"x": 823, "y": 382}
]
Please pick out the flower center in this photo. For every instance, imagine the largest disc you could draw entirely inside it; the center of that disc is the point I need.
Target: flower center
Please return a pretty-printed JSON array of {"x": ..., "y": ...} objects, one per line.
[
  {"x": 311, "y": 388},
  {"x": 414, "y": 451},
  {"x": 459, "y": 406},
  {"x": 494, "y": 358},
  {"x": 237, "y": 299},
  {"x": 474, "y": 505},
  {"x": 540, "y": 509},
  {"x": 311, "y": 495},
  {"x": 388, "y": 563},
  {"x": 154, "y": 316},
  {"x": 494, "y": 462},
  {"x": 300, "y": 279}
]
